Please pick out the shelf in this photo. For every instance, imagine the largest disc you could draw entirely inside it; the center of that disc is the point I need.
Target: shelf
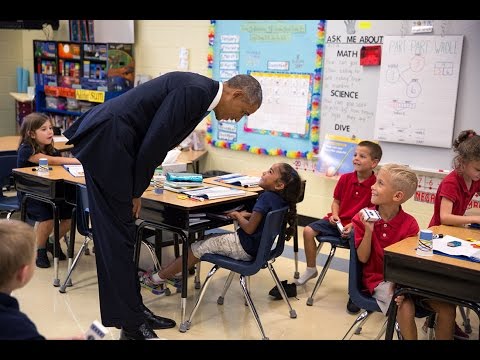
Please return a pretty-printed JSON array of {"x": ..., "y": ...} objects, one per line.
[
  {"x": 22, "y": 97},
  {"x": 60, "y": 112}
]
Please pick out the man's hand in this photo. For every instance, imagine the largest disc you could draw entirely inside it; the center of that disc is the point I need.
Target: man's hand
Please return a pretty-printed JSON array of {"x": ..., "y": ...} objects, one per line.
[{"x": 137, "y": 205}]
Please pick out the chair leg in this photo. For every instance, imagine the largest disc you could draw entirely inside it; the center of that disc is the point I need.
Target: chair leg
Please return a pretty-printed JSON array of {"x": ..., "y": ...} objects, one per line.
[
  {"x": 359, "y": 320},
  {"x": 73, "y": 266},
  {"x": 293, "y": 313},
  {"x": 252, "y": 307},
  {"x": 382, "y": 330},
  {"x": 221, "y": 298},
  {"x": 188, "y": 323},
  {"x": 466, "y": 319},
  {"x": 196, "y": 280},
  {"x": 323, "y": 273}
]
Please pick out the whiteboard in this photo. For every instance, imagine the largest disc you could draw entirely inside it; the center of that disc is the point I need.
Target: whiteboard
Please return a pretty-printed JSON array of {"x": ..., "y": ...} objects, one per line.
[
  {"x": 418, "y": 89},
  {"x": 373, "y": 32}
]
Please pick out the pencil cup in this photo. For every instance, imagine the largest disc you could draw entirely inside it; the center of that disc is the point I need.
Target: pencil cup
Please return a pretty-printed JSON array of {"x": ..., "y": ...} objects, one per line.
[
  {"x": 43, "y": 166},
  {"x": 158, "y": 187},
  {"x": 425, "y": 243}
]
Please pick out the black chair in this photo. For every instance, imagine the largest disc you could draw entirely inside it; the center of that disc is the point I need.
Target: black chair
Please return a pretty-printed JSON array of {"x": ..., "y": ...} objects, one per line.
[
  {"x": 274, "y": 228},
  {"x": 367, "y": 302},
  {"x": 80, "y": 221},
  {"x": 335, "y": 242},
  {"x": 8, "y": 204}
]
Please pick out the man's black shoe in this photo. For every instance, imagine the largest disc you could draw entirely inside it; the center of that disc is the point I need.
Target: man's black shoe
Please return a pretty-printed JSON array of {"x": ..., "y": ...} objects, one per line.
[
  {"x": 143, "y": 332},
  {"x": 157, "y": 322},
  {"x": 352, "y": 308}
]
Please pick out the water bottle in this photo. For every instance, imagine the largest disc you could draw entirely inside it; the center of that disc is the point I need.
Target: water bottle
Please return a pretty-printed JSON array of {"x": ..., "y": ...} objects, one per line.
[{"x": 43, "y": 167}]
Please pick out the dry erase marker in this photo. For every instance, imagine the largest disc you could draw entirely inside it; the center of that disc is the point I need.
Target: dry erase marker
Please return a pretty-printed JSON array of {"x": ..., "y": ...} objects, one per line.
[
  {"x": 437, "y": 236},
  {"x": 35, "y": 169}
]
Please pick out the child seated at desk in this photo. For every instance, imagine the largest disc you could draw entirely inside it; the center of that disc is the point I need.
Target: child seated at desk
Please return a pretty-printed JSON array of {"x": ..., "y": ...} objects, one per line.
[
  {"x": 282, "y": 186},
  {"x": 36, "y": 141},
  {"x": 395, "y": 184},
  {"x": 457, "y": 189}
]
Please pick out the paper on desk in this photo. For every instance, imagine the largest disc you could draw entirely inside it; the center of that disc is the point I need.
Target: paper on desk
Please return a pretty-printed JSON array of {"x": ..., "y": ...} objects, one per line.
[
  {"x": 172, "y": 156},
  {"x": 466, "y": 249}
]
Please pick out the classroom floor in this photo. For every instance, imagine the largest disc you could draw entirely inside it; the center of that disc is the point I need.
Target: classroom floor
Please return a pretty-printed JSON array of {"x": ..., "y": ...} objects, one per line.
[{"x": 61, "y": 315}]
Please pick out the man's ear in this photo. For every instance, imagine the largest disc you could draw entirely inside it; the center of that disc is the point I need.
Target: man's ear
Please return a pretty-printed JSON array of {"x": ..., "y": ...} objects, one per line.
[{"x": 237, "y": 93}]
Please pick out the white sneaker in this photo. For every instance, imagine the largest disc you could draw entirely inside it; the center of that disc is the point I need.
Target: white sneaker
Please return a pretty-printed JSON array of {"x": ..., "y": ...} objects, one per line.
[{"x": 305, "y": 277}]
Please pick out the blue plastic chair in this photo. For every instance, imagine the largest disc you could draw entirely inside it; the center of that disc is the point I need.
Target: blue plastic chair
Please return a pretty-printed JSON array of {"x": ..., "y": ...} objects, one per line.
[
  {"x": 8, "y": 204},
  {"x": 367, "y": 303},
  {"x": 82, "y": 220},
  {"x": 274, "y": 228}
]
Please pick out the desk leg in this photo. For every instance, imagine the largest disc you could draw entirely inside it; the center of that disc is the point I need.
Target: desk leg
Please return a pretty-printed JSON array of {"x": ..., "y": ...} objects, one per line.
[
  {"x": 392, "y": 315},
  {"x": 70, "y": 251},
  {"x": 296, "y": 274},
  {"x": 183, "y": 301},
  {"x": 56, "y": 236}
]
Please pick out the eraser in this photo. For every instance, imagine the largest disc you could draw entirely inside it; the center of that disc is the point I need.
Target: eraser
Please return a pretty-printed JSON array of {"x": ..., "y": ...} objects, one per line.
[
  {"x": 340, "y": 226},
  {"x": 96, "y": 331},
  {"x": 371, "y": 215}
]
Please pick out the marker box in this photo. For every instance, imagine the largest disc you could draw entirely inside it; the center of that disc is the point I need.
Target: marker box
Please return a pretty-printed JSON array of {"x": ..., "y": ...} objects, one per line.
[{"x": 371, "y": 215}]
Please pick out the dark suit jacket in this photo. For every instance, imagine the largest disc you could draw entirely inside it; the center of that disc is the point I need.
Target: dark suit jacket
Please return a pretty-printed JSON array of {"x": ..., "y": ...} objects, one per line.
[{"x": 123, "y": 140}]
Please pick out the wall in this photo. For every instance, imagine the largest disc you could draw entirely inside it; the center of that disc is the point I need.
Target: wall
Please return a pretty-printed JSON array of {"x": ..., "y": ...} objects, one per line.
[
  {"x": 157, "y": 45},
  {"x": 16, "y": 49}
]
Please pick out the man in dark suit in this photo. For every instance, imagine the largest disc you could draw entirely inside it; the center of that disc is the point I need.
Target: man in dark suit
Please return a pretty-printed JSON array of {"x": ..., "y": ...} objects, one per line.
[{"x": 120, "y": 143}]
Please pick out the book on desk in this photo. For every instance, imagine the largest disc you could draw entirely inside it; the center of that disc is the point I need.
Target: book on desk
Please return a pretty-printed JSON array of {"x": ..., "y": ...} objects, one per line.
[
  {"x": 214, "y": 192},
  {"x": 467, "y": 250},
  {"x": 75, "y": 170},
  {"x": 239, "y": 180}
]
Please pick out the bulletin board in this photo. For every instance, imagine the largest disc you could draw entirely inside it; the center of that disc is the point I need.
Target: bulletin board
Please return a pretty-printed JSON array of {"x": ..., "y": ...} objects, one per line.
[{"x": 286, "y": 57}]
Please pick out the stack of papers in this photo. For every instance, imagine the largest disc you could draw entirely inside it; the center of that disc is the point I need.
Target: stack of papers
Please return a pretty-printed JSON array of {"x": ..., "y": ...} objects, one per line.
[
  {"x": 465, "y": 251},
  {"x": 75, "y": 170}
]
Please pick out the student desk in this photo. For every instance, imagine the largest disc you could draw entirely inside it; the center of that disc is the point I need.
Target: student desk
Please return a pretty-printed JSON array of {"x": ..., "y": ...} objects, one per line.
[
  {"x": 167, "y": 212},
  {"x": 439, "y": 277},
  {"x": 10, "y": 143},
  {"x": 49, "y": 189}
]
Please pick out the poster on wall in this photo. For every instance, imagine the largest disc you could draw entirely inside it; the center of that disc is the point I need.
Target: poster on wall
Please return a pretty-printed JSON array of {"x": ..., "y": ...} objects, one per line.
[
  {"x": 285, "y": 56},
  {"x": 336, "y": 156}
]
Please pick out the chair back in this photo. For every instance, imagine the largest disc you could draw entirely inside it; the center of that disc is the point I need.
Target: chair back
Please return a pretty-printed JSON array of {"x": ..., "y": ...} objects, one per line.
[
  {"x": 301, "y": 196},
  {"x": 8, "y": 161},
  {"x": 355, "y": 287},
  {"x": 83, "y": 212},
  {"x": 274, "y": 227}
]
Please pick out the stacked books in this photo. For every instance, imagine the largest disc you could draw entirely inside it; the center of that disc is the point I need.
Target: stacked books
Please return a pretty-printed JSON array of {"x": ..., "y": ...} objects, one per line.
[
  {"x": 180, "y": 182},
  {"x": 75, "y": 170}
]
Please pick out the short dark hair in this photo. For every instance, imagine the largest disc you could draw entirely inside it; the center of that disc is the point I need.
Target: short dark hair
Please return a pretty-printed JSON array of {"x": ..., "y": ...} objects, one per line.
[
  {"x": 250, "y": 85},
  {"x": 375, "y": 149}
]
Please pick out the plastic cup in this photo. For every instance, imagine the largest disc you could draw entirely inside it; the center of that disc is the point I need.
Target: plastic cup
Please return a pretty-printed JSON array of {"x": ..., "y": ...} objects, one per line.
[
  {"x": 425, "y": 243},
  {"x": 43, "y": 166}
]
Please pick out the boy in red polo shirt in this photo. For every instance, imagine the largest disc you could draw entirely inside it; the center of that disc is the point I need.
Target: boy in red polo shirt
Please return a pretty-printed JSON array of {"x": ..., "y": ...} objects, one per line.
[
  {"x": 395, "y": 184},
  {"x": 351, "y": 194}
]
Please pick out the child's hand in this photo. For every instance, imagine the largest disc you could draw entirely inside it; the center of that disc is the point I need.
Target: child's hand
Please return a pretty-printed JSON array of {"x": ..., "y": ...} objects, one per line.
[
  {"x": 399, "y": 300},
  {"x": 333, "y": 219},
  {"x": 346, "y": 230}
]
